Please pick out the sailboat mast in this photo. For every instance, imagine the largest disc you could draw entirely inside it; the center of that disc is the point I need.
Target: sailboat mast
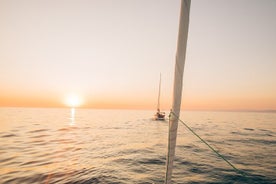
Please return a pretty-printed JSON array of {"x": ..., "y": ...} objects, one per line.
[
  {"x": 177, "y": 92},
  {"x": 158, "y": 101}
]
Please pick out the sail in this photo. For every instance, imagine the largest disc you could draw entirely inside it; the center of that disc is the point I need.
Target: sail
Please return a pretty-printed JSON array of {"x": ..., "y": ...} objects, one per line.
[{"x": 177, "y": 91}]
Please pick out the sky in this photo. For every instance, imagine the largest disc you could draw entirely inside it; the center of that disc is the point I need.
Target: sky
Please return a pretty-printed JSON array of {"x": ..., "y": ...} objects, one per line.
[{"x": 111, "y": 53}]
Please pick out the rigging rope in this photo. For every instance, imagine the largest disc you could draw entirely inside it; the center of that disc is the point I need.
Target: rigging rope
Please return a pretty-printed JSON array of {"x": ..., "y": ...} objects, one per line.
[{"x": 216, "y": 152}]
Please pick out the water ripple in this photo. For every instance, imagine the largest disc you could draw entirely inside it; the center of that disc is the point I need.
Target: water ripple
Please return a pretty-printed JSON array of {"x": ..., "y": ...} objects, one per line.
[
  {"x": 9, "y": 135},
  {"x": 39, "y": 130}
]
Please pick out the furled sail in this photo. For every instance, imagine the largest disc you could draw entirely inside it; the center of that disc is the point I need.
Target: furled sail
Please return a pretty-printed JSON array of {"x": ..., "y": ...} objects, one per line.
[{"x": 177, "y": 91}]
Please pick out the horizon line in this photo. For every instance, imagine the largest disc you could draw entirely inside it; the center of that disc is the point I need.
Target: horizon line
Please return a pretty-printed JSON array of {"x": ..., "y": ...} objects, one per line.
[{"x": 108, "y": 108}]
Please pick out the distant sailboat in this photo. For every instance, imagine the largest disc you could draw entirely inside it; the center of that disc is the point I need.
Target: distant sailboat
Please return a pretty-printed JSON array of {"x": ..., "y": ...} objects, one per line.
[
  {"x": 177, "y": 90},
  {"x": 159, "y": 115}
]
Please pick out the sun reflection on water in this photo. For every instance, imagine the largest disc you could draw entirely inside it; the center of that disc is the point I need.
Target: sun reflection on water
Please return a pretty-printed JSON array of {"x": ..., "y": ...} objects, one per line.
[{"x": 72, "y": 117}]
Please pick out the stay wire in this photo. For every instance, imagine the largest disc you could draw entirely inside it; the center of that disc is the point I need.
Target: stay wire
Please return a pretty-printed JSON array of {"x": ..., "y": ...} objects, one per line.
[{"x": 202, "y": 140}]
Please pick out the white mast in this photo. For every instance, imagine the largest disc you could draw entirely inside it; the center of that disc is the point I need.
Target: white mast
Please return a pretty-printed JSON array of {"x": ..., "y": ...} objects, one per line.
[
  {"x": 177, "y": 93},
  {"x": 158, "y": 102}
]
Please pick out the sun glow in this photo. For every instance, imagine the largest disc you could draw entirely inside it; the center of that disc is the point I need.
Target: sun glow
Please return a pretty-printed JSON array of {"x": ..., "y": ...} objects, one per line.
[{"x": 73, "y": 100}]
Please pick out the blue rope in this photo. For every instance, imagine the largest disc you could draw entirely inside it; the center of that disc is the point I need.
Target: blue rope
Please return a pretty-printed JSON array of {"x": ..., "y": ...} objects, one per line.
[{"x": 216, "y": 152}]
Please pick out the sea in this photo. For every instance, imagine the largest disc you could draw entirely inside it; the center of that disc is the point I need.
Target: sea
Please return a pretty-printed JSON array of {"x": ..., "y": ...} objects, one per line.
[{"x": 83, "y": 146}]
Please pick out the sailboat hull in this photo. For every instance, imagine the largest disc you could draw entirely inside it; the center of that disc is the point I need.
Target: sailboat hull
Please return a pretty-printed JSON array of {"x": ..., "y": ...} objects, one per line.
[{"x": 159, "y": 116}]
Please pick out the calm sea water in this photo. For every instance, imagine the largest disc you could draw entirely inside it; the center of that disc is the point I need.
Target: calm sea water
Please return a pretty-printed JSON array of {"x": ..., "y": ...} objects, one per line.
[{"x": 126, "y": 146}]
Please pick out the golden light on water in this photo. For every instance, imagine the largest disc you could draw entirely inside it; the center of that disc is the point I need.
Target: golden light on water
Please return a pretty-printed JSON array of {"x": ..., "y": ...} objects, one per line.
[{"x": 72, "y": 118}]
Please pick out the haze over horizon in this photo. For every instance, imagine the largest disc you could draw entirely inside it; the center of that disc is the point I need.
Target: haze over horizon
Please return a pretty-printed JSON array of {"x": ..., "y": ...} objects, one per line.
[{"x": 110, "y": 53}]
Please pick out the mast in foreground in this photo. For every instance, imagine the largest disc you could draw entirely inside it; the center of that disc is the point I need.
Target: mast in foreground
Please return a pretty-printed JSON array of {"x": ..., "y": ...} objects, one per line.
[{"x": 177, "y": 91}]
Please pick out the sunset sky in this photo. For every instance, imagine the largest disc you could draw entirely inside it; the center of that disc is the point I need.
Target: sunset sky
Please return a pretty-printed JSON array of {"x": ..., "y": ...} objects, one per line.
[{"x": 110, "y": 53}]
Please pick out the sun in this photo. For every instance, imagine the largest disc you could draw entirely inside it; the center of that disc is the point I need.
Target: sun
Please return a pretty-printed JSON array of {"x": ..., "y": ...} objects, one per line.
[{"x": 73, "y": 100}]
